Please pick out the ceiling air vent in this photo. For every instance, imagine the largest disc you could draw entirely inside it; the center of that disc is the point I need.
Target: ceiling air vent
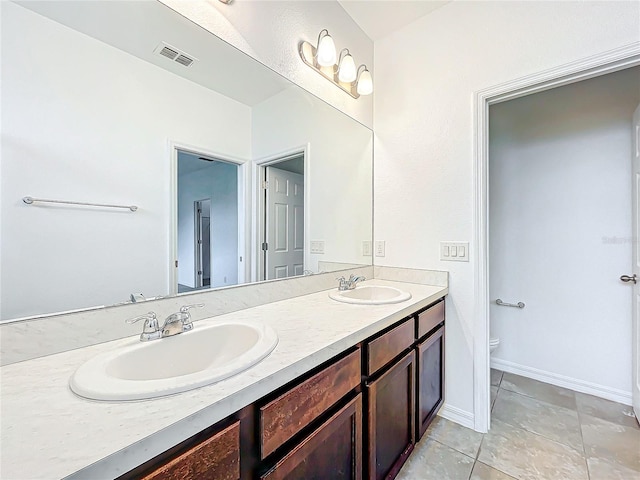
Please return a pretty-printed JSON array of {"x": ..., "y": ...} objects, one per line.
[
  {"x": 184, "y": 60},
  {"x": 175, "y": 54}
]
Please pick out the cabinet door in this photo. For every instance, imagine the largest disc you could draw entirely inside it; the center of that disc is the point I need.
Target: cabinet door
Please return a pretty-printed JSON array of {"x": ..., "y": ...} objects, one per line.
[
  {"x": 217, "y": 458},
  {"x": 391, "y": 414},
  {"x": 333, "y": 451},
  {"x": 430, "y": 379}
]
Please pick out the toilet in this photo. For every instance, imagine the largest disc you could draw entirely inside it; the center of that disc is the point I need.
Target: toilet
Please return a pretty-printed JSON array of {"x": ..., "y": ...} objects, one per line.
[{"x": 493, "y": 344}]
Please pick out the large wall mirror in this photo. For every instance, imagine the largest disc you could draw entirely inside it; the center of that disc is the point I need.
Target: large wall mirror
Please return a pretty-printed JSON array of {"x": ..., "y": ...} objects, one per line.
[{"x": 237, "y": 174}]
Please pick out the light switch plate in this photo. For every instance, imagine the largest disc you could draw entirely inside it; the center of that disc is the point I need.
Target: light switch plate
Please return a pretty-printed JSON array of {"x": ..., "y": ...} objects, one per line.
[
  {"x": 317, "y": 246},
  {"x": 366, "y": 248},
  {"x": 454, "y": 251},
  {"x": 379, "y": 248}
]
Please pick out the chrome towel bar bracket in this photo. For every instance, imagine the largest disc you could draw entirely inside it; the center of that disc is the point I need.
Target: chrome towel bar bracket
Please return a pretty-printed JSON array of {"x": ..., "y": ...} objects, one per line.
[{"x": 505, "y": 304}]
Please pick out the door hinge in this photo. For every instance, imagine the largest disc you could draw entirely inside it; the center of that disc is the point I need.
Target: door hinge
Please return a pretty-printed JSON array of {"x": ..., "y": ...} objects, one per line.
[
  {"x": 265, "y": 184},
  {"x": 265, "y": 246},
  {"x": 176, "y": 263}
]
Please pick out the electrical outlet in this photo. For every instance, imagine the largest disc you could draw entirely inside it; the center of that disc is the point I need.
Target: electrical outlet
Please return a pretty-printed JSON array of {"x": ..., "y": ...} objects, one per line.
[
  {"x": 454, "y": 251},
  {"x": 380, "y": 248},
  {"x": 317, "y": 246},
  {"x": 366, "y": 248}
]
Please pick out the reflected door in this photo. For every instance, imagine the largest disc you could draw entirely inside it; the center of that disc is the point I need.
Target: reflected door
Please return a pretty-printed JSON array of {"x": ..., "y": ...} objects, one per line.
[
  {"x": 635, "y": 336},
  {"x": 203, "y": 243},
  {"x": 284, "y": 224}
]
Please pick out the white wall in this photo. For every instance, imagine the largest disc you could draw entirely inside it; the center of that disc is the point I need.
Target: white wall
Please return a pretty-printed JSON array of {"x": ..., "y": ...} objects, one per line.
[
  {"x": 92, "y": 125},
  {"x": 338, "y": 178},
  {"x": 560, "y": 230},
  {"x": 218, "y": 182},
  {"x": 270, "y": 32},
  {"x": 425, "y": 78}
]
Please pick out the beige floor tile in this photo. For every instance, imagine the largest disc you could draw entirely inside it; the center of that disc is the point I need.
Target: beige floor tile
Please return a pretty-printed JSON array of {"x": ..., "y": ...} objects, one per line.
[
  {"x": 494, "y": 395},
  {"x": 455, "y": 436},
  {"x": 527, "y": 456},
  {"x": 606, "y": 410},
  {"x": 603, "y": 469},
  {"x": 485, "y": 472},
  {"x": 496, "y": 377},
  {"x": 556, "y": 423},
  {"x": 608, "y": 440},
  {"x": 545, "y": 392},
  {"x": 432, "y": 460}
]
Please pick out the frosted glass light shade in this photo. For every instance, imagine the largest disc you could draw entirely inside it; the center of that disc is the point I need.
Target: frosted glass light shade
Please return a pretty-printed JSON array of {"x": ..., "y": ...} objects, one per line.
[
  {"x": 347, "y": 69},
  {"x": 365, "y": 83},
  {"x": 326, "y": 54}
]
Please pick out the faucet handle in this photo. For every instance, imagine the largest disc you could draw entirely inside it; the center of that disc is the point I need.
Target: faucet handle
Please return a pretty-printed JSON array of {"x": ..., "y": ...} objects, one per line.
[
  {"x": 150, "y": 317},
  {"x": 185, "y": 308},
  {"x": 151, "y": 329}
]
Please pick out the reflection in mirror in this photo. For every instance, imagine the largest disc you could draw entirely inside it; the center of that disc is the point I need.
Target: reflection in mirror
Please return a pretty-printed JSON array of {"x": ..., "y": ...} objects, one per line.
[{"x": 130, "y": 103}]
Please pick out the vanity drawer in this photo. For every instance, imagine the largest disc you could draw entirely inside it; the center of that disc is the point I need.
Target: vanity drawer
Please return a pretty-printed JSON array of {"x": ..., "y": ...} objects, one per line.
[
  {"x": 217, "y": 458},
  {"x": 389, "y": 345},
  {"x": 430, "y": 318},
  {"x": 292, "y": 411}
]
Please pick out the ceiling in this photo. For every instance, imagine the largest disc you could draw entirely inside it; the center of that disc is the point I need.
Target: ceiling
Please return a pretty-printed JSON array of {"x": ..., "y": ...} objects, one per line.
[{"x": 378, "y": 18}]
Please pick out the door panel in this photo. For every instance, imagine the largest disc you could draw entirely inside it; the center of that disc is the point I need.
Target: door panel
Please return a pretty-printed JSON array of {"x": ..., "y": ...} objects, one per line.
[{"x": 284, "y": 255}]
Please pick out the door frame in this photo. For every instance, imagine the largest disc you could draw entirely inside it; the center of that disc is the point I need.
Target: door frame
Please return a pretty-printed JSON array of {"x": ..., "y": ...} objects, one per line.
[
  {"x": 243, "y": 205},
  {"x": 608, "y": 62},
  {"x": 258, "y": 224}
]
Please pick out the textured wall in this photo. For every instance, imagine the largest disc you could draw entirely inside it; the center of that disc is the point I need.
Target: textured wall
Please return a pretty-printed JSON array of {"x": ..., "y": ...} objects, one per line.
[{"x": 426, "y": 75}]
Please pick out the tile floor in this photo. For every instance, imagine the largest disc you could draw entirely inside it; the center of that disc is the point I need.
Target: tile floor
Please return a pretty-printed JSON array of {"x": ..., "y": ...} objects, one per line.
[{"x": 538, "y": 432}]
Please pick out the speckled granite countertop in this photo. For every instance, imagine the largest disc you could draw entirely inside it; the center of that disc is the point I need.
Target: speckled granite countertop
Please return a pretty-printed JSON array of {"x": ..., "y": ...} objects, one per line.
[{"x": 47, "y": 432}]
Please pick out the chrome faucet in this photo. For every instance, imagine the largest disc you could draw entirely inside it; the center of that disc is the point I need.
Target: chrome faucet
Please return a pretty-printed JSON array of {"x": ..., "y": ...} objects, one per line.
[
  {"x": 174, "y": 324},
  {"x": 151, "y": 328},
  {"x": 179, "y": 322},
  {"x": 349, "y": 284}
]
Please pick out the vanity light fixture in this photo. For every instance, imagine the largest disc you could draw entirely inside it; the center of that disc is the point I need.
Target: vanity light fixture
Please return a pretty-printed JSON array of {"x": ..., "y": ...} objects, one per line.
[
  {"x": 326, "y": 51},
  {"x": 343, "y": 74},
  {"x": 365, "y": 82},
  {"x": 346, "y": 67}
]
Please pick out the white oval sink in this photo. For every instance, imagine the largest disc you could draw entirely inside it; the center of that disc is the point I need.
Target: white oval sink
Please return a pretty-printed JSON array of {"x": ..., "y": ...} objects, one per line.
[
  {"x": 370, "y": 295},
  {"x": 175, "y": 364}
]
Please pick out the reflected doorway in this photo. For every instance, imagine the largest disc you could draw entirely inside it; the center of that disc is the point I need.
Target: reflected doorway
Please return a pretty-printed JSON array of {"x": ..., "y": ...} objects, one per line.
[
  {"x": 207, "y": 222},
  {"x": 283, "y": 207}
]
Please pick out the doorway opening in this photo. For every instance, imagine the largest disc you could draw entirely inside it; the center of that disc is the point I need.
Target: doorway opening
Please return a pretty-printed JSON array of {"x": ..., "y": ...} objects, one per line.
[
  {"x": 608, "y": 62},
  {"x": 282, "y": 210},
  {"x": 207, "y": 222}
]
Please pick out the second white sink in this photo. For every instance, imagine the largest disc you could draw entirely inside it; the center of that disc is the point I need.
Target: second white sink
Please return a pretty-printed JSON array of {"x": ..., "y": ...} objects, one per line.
[
  {"x": 204, "y": 355},
  {"x": 370, "y": 295}
]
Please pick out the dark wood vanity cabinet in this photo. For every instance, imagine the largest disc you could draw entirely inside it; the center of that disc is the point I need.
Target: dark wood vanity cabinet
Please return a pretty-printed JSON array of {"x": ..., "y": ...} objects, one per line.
[
  {"x": 332, "y": 451},
  {"x": 213, "y": 454},
  {"x": 356, "y": 416},
  {"x": 430, "y": 379},
  {"x": 429, "y": 365},
  {"x": 390, "y": 418}
]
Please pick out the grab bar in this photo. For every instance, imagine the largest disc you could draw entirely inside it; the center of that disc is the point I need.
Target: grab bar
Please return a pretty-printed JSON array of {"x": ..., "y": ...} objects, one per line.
[
  {"x": 505, "y": 304},
  {"x": 30, "y": 200}
]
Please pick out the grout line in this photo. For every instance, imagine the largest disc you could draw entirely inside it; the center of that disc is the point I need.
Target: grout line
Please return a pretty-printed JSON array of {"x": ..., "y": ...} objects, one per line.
[{"x": 583, "y": 447}]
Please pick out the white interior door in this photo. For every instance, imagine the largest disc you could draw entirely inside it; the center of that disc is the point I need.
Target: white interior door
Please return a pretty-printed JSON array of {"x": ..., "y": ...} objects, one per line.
[
  {"x": 636, "y": 263},
  {"x": 284, "y": 255}
]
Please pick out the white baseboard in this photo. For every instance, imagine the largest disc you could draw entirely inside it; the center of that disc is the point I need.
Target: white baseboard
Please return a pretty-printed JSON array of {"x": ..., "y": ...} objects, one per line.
[
  {"x": 457, "y": 415},
  {"x": 575, "y": 384}
]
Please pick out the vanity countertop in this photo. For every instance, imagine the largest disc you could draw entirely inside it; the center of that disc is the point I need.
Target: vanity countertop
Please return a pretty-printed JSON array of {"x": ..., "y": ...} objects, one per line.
[{"x": 48, "y": 432}]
